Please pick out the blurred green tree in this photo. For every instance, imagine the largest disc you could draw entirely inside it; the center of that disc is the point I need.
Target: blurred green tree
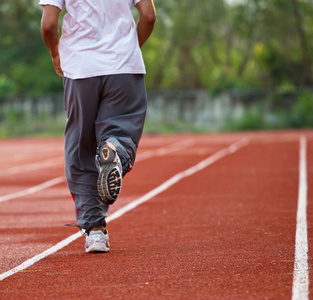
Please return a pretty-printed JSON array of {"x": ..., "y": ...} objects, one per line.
[
  {"x": 284, "y": 48},
  {"x": 231, "y": 44},
  {"x": 25, "y": 63},
  {"x": 212, "y": 44}
]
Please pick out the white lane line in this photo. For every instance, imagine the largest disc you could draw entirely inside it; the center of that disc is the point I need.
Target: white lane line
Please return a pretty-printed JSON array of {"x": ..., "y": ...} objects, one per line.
[
  {"x": 165, "y": 150},
  {"x": 300, "y": 288},
  {"x": 60, "y": 160},
  {"x": 198, "y": 167},
  {"x": 31, "y": 167},
  {"x": 164, "y": 186},
  {"x": 32, "y": 190},
  {"x": 48, "y": 163}
]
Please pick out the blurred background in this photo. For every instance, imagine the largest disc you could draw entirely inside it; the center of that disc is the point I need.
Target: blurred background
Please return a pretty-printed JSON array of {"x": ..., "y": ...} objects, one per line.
[{"x": 212, "y": 65}]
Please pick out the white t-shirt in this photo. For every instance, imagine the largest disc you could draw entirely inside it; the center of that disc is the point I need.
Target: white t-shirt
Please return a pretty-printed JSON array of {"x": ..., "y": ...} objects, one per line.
[{"x": 99, "y": 37}]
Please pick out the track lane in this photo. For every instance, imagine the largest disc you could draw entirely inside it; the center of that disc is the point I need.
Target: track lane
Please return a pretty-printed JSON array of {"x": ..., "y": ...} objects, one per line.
[
  {"x": 203, "y": 164},
  {"x": 23, "y": 151},
  {"x": 300, "y": 286},
  {"x": 310, "y": 214},
  {"x": 10, "y": 183},
  {"x": 171, "y": 249},
  {"x": 36, "y": 210}
]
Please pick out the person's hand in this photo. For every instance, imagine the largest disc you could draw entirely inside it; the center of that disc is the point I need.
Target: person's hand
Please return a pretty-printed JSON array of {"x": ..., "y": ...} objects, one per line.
[{"x": 57, "y": 65}]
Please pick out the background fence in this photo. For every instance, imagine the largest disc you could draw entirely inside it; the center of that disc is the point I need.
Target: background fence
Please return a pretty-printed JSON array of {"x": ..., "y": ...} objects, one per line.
[{"x": 186, "y": 110}]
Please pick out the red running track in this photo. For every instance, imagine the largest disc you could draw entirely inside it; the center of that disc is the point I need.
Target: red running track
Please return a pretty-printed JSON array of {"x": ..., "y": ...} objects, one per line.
[{"x": 226, "y": 229}]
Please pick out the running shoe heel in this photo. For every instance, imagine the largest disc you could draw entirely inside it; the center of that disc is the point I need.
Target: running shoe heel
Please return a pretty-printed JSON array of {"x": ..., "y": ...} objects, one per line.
[
  {"x": 97, "y": 241},
  {"x": 110, "y": 173}
]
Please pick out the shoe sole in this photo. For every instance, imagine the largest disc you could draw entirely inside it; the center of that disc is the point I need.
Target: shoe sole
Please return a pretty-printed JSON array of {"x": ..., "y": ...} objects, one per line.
[
  {"x": 97, "y": 248},
  {"x": 109, "y": 180}
]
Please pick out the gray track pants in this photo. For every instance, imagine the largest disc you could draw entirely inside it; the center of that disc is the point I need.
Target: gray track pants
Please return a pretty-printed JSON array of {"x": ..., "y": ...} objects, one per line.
[{"x": 105, "y": 108}]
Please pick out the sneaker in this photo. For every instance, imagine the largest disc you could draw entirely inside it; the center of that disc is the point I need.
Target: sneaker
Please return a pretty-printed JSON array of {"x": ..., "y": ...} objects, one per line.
[
  {"x": 110, "y": 173},
  {"x": 97, "y": 241}
]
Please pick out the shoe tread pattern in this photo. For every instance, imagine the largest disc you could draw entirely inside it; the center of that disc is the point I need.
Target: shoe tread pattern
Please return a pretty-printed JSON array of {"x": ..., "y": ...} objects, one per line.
[{"x": 109, "y": 180}]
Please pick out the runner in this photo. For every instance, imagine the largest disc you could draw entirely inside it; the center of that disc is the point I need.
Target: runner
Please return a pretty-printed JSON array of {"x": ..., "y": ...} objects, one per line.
[{"x": 99, "y": 58}]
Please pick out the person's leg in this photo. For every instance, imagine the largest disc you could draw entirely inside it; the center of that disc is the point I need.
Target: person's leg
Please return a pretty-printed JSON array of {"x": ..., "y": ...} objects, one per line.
[
  {"x": 81, "y": 104},
  {"x": 121, "y": 115}
]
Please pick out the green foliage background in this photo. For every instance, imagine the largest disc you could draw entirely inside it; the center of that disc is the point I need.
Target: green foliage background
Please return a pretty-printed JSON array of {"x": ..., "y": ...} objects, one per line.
[
  {"x": 211, "y": 44},
  {"x": 216, "y": 45}
]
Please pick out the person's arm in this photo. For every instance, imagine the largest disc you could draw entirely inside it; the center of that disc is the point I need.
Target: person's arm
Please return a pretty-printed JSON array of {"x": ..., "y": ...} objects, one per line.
[
  {"x": 50, "y": 34},
  {"x": 147, "y": 17}
]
